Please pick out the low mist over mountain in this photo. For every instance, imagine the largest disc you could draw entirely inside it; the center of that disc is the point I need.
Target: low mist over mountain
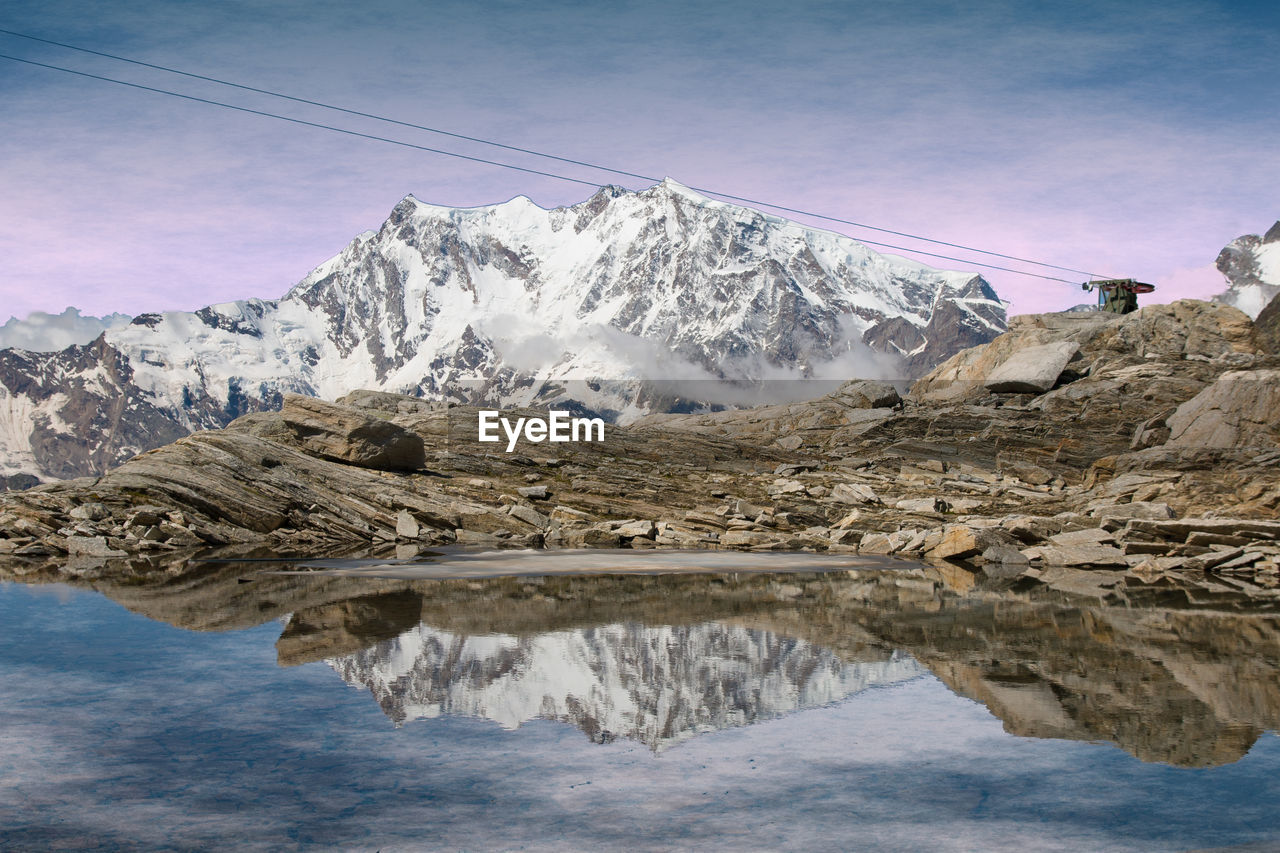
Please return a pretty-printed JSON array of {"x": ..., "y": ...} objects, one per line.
[
  {"x": 502, "y": 304},
  {"x": 1252, "y": 267},
  {"x": 42, "y": 332}
]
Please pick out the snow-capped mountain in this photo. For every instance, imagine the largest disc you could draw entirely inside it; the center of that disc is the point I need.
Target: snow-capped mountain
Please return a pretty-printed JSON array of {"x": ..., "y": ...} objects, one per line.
[
  {"x": 1252, "y": 267},
  {"x": 658, "y": 685},
  {"x": 500, "y": 303}
]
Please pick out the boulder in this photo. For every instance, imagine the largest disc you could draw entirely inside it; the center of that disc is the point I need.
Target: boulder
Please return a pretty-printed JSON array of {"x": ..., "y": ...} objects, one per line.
[
  {"x": 91, "y": 511},
  {"x": 91, "y": 546},
  {"x": 747, "y": 538},
  {"x": 637, "y": 529},
  {"x": 1006, "y": 555},
  {"x": 1238, "y": 410},
  {"x": 1087, "y": 536},
  {"x": 964, "y": 374},
  {"x": 406, "y": 525},
  {"x": 964, "y": 542},
  {"x": 1136, "y": 509},
  {"x": 534, "y": 493},
  {"x": 529, "y": 516},
  {"x": 854, "y": 493},
  {"x": 867, "y": 394},
  {"x": 876, "y": 543},
  {"x": 1079, "y": 555},
  {"x": 1033, "y": 369},
  {"x": 592, "y": 537},
  {"x": 337, "y": 433},
  {"x": 1027, "y": 472}
]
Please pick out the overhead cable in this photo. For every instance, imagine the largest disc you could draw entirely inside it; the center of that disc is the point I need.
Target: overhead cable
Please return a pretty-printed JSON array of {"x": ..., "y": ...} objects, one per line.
[
  {"x": 465, "y": 156},
  {"x": 532, "y": 152}
]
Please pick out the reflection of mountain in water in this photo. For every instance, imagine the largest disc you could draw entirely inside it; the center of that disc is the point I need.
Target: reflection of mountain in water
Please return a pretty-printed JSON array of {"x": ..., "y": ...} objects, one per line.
[
  {"x": 1170, "y": 671},
  {"x": 658, "y": 685}
]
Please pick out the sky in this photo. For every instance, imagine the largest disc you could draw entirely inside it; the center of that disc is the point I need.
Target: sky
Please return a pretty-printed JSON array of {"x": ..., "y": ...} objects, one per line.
[{"x": 1128, "y": 139}]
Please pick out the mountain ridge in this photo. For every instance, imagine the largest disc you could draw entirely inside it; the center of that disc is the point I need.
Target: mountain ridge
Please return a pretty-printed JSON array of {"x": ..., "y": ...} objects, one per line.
[
  {"x": 498, "y": 304},
  {"x": 1251, "y": 265}
]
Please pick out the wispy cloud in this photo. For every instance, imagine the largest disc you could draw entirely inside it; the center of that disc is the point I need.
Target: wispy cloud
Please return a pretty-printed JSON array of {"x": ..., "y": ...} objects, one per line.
[{"x": 42, "y": 332}]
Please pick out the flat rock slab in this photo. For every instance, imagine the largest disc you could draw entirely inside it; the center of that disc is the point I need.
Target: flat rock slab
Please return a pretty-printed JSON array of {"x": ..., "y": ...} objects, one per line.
[
  {"x": 1238, "y": 410},
  {"x": 1078, "y": 555},
  {"x": 1032, "y": 369}
]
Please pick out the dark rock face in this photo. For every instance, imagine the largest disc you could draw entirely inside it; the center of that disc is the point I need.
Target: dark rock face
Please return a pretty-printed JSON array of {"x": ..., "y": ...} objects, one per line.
[
  {"x": 87, "y": 415},
  {"x": 952, "y": 328},
  {"x": 339, "y": 434},
  {"x": 18, "y": 482},
  {"x": 1268, "y": 326}
]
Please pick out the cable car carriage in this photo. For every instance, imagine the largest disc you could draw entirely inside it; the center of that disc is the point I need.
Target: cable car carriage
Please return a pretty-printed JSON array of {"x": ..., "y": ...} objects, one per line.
[{"x": 1118, "y": 295}]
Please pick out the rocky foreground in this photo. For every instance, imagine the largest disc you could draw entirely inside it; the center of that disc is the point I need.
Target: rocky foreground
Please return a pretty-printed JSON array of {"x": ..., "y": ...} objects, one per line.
[{"x": 1146, "y": 443}]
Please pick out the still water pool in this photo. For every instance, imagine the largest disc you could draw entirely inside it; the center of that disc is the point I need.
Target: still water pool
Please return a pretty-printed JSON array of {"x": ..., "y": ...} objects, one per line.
[{"x": 852, "y": 710}]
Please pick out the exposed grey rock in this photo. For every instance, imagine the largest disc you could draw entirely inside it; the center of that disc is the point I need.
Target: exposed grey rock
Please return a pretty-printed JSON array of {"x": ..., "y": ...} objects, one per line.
[
  {"x": 875, "y": 543},
  {"x": 91, "y": 546},
  {"x": 535, "y": 493},
  {"x": 1267, "y": 327},
  {"x": 867, "y": 394},
  {"x": 1137, "y": 509},
  {"x": 854, "y": 493},
  {"x": 1005, "y": 554},
  {"x": 1032, "y": 369},
  {"x": 529, "y": 515},
  {"x": 1081, "y": 555},
  {"x": 338, "y": 433},
  {"x": 1088, "y": 536},
  {"x": 964, "y": 542},
  {"x": 1027, "y": 472},
  {"x": 406, "y": 525},
  {"x": 747, "y": 538},
  {"x": 90, "y": 511},
  {"x": 633, "y": 529},
  {"x": 593, "y": 537},
  {"x": 1238, "y": 410}
]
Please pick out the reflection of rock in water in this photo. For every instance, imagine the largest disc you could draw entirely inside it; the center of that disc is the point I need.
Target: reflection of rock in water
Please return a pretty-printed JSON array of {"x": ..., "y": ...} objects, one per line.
[
  {"x": 1184, "y": 674},
  {"x": 657, "y": 685}
]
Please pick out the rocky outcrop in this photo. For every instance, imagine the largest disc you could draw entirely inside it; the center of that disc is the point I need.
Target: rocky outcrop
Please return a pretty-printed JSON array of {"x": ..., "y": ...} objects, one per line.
[
  {"x": 1251, "y": 265},
  {"x": 78, "y": 412},
  {"x": 1240, "y": 409},
  {"x": 1267, "y": 326},
  {"x": 964, "y": 375},
  {"x": 1145, "y": 422},
  {"x": 854, "y": 406},
  {"x": 338, "y": 434},
  {"x": 1106, "y": 345},
  {"x": 1032, "y": 369}
]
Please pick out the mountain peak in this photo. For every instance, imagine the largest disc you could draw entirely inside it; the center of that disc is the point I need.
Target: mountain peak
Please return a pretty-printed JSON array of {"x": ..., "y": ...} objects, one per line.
[
  {"x": 670, "y": 186},
  {"x": 497, "y": 304}
]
